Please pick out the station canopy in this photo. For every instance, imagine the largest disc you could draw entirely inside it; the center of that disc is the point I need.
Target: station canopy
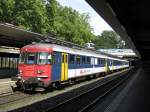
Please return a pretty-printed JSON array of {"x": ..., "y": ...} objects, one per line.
[
  {"x": 131, "y": 20},
  {"x": 13, "y": 36}
]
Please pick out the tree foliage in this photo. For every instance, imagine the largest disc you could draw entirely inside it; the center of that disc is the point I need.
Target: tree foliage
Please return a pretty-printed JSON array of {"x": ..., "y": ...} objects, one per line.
[
  {"x": 6, "y": 10},
  {"x": 50, "y": 18},
  {"x": 108, "y": 40},
  {"x": 68, "y": 24}
]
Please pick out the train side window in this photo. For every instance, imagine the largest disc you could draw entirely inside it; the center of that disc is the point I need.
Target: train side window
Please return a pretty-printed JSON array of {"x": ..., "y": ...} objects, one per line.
[
  {"x": 100, "y": 61},
  {"x": 63, "y": 58},
  {"x": 103, "y": 61},
  {"x": 92, "y": 61},
  {"x": 114, "y": 62},
  {"x": 96, "y": 61},
  {"x": 66, "y": 61},
  {"x": 71, "y": 59},
  {"x": 83, "y": 60},
  {"x": 88, "y": 61},
  {"x": 78, "y": 60}
]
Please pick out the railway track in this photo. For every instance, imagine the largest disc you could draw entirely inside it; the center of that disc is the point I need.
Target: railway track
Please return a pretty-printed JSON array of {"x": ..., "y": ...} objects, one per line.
[
  {"x": 84, "y": 101},
  {"x": 11, "y": 97},
  {"x": 58, "y": 100}
]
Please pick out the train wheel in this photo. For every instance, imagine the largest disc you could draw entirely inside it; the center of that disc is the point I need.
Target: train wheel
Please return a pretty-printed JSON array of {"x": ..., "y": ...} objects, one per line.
[
  {"x": 56, "y": 85},
  {"x": 71, "y": 82}
]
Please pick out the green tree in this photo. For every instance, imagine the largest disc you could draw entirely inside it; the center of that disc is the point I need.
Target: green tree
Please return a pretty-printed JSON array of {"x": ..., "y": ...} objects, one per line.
[
  {"x": 51, "y": 11},
  {"x": 68, "y": 24},
  {"x": 30, "y": 14},
  {"x": 6, "y": 10},
  {"x": 108, "y": 40},
  {"x": 27, "y": 14},
  {"x": 48, "y": 17}
]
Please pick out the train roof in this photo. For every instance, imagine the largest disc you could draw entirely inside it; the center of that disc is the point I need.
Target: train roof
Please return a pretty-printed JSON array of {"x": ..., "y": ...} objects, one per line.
[{"x": 76, "y": 50}]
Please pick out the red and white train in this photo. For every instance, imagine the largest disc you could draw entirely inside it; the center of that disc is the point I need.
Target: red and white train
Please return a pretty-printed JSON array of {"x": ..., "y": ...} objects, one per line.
[{"x": 42, "y": 65}]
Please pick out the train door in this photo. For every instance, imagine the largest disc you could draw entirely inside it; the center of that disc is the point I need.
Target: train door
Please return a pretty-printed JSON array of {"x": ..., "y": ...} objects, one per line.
[
  {"x": 106, "y": 65},
  {"x": 112, "y": 65},
  {"x": 64, "y": 66}
]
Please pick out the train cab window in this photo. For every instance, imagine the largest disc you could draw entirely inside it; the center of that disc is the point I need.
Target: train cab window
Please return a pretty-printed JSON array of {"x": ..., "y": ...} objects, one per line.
[
  {"x": 22, "y": 58},
  {"x": 42, "y": 58},
  {"x": 31, "y": 58},
  {"x": 78, "y": 60},
  {"x": 45, "y": 58},
  {"x": 71, "y": 59}
]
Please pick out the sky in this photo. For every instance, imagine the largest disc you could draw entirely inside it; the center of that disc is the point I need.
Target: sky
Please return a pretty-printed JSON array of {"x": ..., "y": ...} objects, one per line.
[{"x": 97, "y": 22}]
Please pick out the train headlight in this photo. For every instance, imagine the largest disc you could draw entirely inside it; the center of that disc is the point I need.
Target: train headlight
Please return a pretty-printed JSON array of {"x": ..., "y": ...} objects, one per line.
[
  {"x": 38, "y": 78},
  {"x": 19, "y": 76},
  {"x": 20, "y": 72},
  {"x": 40, "y": 72}
]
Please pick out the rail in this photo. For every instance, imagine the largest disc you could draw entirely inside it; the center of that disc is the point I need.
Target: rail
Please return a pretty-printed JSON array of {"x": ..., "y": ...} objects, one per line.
[{"x": 86, "y": 100}]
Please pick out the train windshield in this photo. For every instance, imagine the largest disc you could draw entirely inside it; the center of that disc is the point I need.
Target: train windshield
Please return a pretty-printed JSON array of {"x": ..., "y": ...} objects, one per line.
[
  {"x": 35, "y": 58},
  {"x": 30, "y": 58},
  {"x": 44, "y": 58}
]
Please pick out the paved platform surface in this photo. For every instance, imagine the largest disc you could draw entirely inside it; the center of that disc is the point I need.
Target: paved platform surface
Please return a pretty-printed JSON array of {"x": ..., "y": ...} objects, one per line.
[
  {"x": 5, "y": 85},
  {"x": 134, "y": 97},
  {"x": 6, "y": 81}
]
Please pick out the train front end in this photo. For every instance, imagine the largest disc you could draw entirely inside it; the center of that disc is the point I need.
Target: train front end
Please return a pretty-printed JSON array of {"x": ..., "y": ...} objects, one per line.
[{"x": 34, "y": 68}]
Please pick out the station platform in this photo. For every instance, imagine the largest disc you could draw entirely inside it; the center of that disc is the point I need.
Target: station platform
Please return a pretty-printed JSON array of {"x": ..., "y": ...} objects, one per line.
[
  {"x": 5, "y": 86},
  {"x": 134, "y": 97}
]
